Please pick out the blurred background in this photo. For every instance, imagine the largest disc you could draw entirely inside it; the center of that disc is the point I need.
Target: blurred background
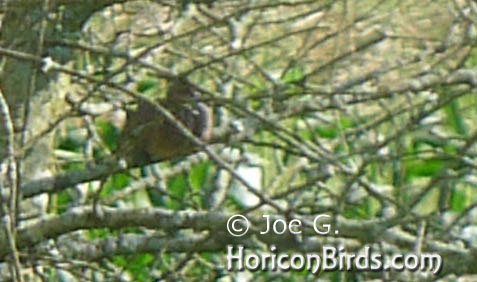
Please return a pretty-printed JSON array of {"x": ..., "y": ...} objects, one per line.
[{"x": 362, "y": 110}]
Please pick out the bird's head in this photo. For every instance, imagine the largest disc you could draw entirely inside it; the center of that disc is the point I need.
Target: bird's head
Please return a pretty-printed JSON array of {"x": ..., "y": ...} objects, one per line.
[{"x": 180, "y": 91}]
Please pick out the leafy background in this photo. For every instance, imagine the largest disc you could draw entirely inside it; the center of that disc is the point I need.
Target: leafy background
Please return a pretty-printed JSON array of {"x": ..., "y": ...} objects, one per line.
[{"x": 363, "y": 110}]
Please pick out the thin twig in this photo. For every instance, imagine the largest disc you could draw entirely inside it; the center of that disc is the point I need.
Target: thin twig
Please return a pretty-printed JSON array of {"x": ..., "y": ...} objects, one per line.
[{"x": 10, "y": 227}]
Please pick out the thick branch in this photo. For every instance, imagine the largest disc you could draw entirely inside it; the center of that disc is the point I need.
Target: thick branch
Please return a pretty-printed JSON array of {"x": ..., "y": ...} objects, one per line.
[{"x": 456, "y": 259}]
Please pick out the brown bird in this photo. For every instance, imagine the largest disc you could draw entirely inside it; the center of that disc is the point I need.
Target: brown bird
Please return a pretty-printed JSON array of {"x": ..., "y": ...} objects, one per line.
[{"x": 148, "y": 136}]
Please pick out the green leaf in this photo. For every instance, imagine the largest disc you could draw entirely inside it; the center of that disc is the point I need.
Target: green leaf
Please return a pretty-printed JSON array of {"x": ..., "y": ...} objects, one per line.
[
  {"x": 63, "y": 201},
  {"x": 459, "y": 200},
  {"x": 332, "y": 131},
  {"x": 69, "y": 143},
  {"x": 361, "y": 211},
  {"x": 327, "y": 132},
  {"x": 294, "y": 75},
  {"x": 198, "y": 176},
  {"x": 99, "y": 233},
  {"x": 424, "y": 168},
  {"x": 115, "y": 182},
  {"x": 455, "y": 119},
  {"x": 177, "y": 187},
  {"x": 146, "y": 85},
  {"x": 138, "y": 265},
  {"x": 108, "y": 133}
]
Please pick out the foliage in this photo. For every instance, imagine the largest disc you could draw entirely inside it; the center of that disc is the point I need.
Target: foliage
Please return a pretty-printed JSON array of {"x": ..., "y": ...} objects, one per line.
[{"x": 363, "y": 110}]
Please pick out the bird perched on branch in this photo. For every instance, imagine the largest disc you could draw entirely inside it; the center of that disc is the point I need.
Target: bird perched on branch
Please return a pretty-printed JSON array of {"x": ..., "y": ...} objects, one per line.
[{"x": 148, "y": 136}]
